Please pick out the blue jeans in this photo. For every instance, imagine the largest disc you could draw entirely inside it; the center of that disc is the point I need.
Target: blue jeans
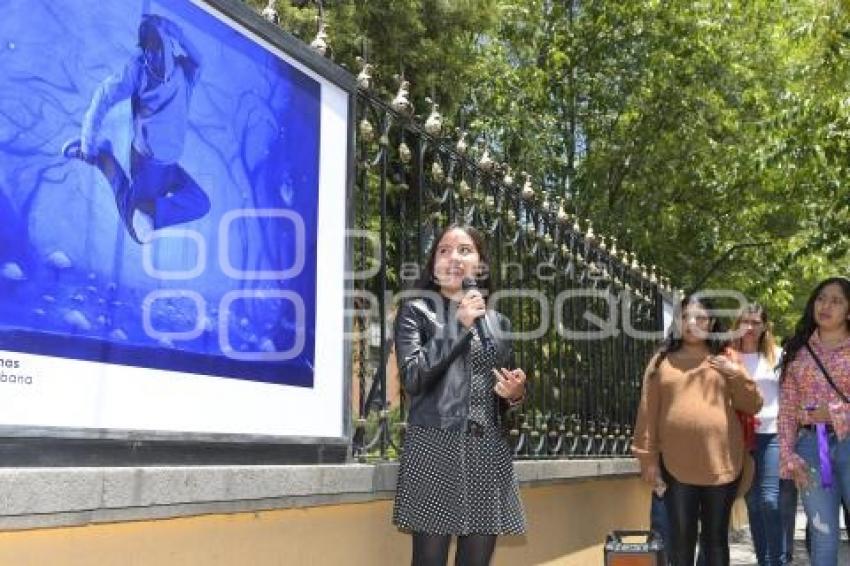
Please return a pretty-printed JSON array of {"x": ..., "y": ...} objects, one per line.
[
  {"x": 771, "y": 505},
  {"x": 658, "y": 520},
  {"x": 823, "y": 505}
]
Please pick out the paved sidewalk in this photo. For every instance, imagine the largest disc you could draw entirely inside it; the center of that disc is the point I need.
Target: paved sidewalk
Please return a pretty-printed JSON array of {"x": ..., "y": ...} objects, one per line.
[{"x": 742, "y": 547}]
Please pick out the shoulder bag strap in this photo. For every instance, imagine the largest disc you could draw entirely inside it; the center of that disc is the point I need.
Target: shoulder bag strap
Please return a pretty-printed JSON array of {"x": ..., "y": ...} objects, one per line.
[{"x": 826, "y": 374}]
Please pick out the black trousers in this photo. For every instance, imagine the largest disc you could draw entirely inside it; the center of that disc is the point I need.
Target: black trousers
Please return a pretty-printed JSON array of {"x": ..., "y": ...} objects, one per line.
[{"x": 693, "y": 508}]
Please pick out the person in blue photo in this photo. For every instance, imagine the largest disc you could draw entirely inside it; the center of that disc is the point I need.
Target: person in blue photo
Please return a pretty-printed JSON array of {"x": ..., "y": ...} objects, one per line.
[{"x": 159, "y": 81}]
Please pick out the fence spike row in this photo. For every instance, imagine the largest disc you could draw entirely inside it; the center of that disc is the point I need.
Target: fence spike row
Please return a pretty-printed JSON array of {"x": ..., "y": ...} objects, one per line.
[
  {"x": 588, "y": 383},
  {"x": 437, "y": 172},
  {"x": 401, "y": 102},
  {"x": 486, "y": 163},
  {"x": 580, "y": 261},
  {"x": 563, "y": 217},
  {"x": 404, "y": 153},
  {"x": 434, "y": 122},
  {"x": 508, "y": 179},
  {"x": 527, "y": 189},
  {"x": 367, "y": 131},
  {"x": 461, "y": 145},
  {"x": 589, "y": 235},
  {"x": 364, "y": 77},
  {"x": 320, "y": 42},
  {"x": 269, "y": 13}
]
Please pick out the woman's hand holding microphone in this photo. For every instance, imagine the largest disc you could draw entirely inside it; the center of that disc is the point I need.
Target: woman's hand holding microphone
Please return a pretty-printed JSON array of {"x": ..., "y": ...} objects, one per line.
[
  {"x": 510, "y": 383},
  {"x": 471, "y": 308}
]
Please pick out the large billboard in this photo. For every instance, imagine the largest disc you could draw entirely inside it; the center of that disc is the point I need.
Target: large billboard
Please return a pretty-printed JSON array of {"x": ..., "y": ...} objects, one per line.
[{"x": 171, "y": 234}]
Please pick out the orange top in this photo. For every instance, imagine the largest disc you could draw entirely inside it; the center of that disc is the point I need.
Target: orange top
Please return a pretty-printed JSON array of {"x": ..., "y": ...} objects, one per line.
[{"x": 687, "y": 416}]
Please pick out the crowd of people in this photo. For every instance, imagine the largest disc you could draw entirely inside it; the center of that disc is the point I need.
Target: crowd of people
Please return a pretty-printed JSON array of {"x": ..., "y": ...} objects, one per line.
[
  {"x": 724, "y": 413},
  {"x": 715, "y": 401}
]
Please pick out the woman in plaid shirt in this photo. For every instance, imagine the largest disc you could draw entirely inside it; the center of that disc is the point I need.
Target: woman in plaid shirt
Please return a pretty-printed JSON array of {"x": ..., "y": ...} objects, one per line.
[{"x": 814, "y": 413}]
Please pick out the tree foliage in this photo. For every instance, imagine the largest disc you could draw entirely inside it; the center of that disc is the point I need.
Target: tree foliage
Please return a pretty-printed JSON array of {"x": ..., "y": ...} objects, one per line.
[
  {"x": 680, "y": 128},
  {"x": 428, "y": 42}
]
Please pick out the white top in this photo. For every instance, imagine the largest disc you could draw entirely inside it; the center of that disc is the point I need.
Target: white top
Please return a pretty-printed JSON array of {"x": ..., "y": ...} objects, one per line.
[{"x": 767, "y": 380}]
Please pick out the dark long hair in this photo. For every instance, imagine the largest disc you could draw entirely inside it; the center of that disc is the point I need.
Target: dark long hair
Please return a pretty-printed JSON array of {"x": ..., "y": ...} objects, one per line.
[
  {"x": 807, "y": 325},
  {"x": 485, "y": 282},
  {"x": 673, "y": 341}
]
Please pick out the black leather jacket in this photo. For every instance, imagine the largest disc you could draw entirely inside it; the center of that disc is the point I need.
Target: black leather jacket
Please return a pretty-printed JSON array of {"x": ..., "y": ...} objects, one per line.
[{"x": 431, "y": 349}]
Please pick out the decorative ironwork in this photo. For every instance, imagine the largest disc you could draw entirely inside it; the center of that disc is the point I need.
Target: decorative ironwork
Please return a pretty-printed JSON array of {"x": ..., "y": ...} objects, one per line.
[
  {"x": 593, "y": 309},
  {"x": 269, "y": 13},
  {"x": 411, "y": 181},
  {"x": 320, "y": 42}
]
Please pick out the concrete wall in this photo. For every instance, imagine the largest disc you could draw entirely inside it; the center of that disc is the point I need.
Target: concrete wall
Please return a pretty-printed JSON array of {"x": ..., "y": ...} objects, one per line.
[{"x": 168, "y": 519}]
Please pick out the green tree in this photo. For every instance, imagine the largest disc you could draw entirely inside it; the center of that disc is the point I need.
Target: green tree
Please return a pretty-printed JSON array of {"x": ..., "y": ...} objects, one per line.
[
  {"x": 431, "y": 43},
  {"x": 680, "y": 128}
]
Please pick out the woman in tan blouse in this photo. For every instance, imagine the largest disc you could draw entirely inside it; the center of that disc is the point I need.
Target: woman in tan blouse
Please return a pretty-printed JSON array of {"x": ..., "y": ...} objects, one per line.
[{"x": 688, "y": 437}]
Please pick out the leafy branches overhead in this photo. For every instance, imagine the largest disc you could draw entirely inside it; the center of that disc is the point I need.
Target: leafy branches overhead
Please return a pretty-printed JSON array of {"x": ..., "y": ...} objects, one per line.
[
  {"x": 430, "y": 42},
  {"x": 680, "y": 128}
]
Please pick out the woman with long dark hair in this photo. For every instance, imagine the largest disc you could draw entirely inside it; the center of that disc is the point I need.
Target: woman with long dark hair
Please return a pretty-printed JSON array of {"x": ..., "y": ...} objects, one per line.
[
  {"x": 771, "y": 502},
  {"x": 814, "y": 413},
  {"x": 456, "y": 473},
  {"x": 688, "y": 438}
]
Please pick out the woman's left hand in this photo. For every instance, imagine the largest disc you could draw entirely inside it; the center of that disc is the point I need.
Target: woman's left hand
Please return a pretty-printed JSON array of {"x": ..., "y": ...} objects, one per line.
[
  {"x": 510, "y": 384},
  {"x": 725, "y": 366},
  {"x": 816, "y": 414}
]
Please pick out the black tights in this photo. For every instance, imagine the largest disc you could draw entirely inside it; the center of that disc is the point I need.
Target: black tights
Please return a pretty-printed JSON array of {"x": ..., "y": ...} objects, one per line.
[
  {"x": 690, "y": 505},
  {"x": 433, "y": 550}
]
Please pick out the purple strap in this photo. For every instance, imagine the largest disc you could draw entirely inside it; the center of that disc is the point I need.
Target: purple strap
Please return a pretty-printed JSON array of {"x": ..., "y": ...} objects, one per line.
[{"x": 823, "y": 452}]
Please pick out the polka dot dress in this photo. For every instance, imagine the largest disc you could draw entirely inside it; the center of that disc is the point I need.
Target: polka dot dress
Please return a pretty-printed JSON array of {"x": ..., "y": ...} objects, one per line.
[{"x": 459, "y": 482}]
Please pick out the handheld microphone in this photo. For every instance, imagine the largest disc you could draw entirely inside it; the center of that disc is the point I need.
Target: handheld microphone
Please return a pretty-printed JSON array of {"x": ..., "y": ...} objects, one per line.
[{"x": 470, "y": 284}]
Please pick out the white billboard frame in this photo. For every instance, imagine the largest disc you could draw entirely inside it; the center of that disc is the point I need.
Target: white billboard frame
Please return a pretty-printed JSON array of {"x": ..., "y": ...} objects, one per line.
[{"x": 61, "y": 398}]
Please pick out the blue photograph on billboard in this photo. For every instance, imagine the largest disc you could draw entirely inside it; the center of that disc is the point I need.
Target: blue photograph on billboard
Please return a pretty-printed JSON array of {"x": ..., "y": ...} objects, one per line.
[{"x": 159, "y": 178}]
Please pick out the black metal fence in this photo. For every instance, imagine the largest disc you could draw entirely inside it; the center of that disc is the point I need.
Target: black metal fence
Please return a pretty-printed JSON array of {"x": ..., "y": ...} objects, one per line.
[{"x": 593, "y": 311}]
